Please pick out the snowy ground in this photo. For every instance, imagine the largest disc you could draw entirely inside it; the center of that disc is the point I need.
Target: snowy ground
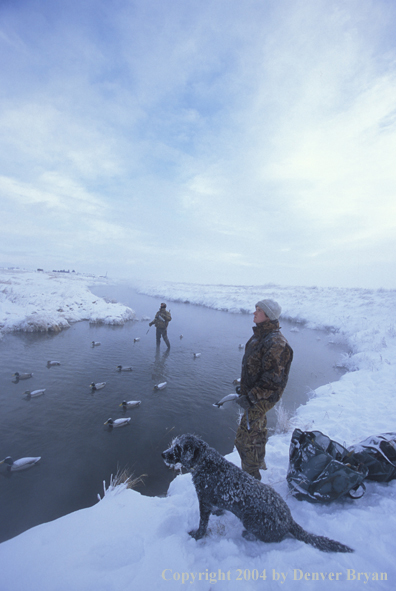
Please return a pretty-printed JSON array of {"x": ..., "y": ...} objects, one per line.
[
  {"x": 129, "y": 541},
  {"x": 37, "y": 301}
]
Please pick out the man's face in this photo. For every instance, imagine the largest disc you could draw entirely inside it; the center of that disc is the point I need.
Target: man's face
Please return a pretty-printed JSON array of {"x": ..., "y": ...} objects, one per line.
[{"x": 259, "y": 316}]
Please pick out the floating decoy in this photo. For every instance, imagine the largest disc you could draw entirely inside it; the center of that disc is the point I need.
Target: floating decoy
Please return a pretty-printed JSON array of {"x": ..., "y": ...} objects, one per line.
[
  {"x": 124, "y": 368},
  {"x": 241, "y": 346},
  {"x": 181, "y": 336},
  {"x": 227, "y": 398},
  {"x": 97, "y": 386},
  {"x": 22, "y": 376},
  {"x": 95, "y": 344},
  {"x": 117, "y": 422},
  {"x": 130, "y": 404},
  {"x": 236, "y": 381},
  {"x": 34, "y": 393},
  {"x": 21, "y": 464},
  {"x": 136, "y": 339},
  {"x": 52, "y": 363},
  {"x": 160, "y": 386},
  {"x": 195, "y": 355}
]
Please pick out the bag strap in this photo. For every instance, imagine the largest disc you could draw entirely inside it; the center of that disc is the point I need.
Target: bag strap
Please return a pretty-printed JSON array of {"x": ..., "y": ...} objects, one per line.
[{"x": 354, "y": 492}]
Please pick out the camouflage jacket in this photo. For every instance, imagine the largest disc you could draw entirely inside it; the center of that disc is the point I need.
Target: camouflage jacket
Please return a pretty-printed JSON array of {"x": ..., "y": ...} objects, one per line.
[
  {"x": 162, "y": 319},
  {"x": 266, "y": 363}
]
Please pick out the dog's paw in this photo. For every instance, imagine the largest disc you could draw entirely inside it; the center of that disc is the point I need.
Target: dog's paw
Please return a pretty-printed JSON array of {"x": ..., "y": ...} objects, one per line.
[
  {"x": 249, "y": 536},
  {"x": 218, "y": 512},
  {"x": 196, "y": 534}
]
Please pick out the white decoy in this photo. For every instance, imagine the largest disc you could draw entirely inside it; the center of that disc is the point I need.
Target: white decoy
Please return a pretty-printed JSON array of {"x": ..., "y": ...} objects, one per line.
[
  {"x": 241, "y": 346},
  {"x": 130, "y": 404},
  {"x": 195, "y": 355},
  {"x": 95, "y": 344},
  {"x": 52, "y": 363},
  {"x": 124, "y": 368},
  {"x": 117, "y": 422},
  {"x": 160, "y": 386},
  {"x": 21, "y": 464},
  {"x": 34, "y": 393},
  {"x": 227, "y": 398},
  {"x": 97, "y": 386},
  {"x": 136, "y": 339},
  {"x": 236, "y": 381},
  {"x": 22, "y": 376}
]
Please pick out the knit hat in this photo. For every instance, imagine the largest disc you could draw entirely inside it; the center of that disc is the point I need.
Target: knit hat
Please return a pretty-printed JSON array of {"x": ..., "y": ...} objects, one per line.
[
  {"x": 163, "y": 306},
  {"x": 271, "y": 308}
]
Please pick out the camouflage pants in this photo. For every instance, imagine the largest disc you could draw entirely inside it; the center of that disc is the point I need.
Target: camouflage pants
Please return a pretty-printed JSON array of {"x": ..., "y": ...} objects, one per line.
[
  {"x": 162, "y": 332},
  {"x": 251, "y": 443}
]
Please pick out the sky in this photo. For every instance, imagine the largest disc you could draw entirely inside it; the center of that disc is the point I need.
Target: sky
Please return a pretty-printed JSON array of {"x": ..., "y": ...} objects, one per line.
[{"x": 208, "y": 141}]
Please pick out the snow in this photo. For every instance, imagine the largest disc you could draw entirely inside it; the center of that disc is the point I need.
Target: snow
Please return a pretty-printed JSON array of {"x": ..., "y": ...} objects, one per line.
[
  {"x": 38, "y": 301},
  {"x": 129, "y": 541}
]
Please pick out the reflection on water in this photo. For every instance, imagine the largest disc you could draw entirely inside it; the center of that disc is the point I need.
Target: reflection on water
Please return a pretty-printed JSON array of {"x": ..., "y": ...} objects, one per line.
[{"x": 66, "y": 425}]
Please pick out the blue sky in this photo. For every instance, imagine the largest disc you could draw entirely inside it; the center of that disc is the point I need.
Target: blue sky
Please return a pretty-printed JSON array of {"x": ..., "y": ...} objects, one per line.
[{"x": 192, "y": 140}]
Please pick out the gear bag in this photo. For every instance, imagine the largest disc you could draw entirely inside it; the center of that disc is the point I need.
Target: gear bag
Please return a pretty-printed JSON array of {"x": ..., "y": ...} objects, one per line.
[
  {"x": 321, "y": 470},
  {"x": 378, "y": 454}
]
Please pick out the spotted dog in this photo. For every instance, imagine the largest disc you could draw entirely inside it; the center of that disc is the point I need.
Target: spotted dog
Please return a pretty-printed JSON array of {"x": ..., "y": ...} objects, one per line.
[{"x": 220, "y": 485}]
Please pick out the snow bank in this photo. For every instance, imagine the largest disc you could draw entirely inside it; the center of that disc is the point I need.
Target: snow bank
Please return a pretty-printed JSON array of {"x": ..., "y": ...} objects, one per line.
[
  {"x": 38, "y": 301},
  {"x": 128, "y": 541}
]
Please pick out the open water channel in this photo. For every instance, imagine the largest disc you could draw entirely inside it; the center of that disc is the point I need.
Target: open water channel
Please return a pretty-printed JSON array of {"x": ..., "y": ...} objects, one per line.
[{"x": 66, "y": 428}]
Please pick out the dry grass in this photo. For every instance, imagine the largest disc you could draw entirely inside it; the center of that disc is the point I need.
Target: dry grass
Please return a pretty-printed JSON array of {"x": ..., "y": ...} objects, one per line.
[
  {"x": 127, "y": 478},
  {"x": 283, "y": 418}
]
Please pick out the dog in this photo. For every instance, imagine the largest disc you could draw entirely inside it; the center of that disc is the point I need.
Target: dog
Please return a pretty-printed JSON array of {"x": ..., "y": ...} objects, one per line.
[{"x": 220, "y": 485}]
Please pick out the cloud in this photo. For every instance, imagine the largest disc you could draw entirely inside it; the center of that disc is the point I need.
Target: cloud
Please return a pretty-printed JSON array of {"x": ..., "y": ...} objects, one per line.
[{"x": 212, "y": 135}]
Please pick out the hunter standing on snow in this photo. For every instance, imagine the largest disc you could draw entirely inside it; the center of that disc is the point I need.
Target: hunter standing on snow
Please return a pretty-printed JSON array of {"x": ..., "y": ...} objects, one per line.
[
  {"x": 265, "y": 370},
  {"x": 161, "y": 321}
]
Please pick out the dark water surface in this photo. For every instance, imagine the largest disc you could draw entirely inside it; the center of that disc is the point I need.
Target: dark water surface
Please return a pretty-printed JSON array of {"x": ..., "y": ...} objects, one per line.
[{"x": 65, "y": 425}]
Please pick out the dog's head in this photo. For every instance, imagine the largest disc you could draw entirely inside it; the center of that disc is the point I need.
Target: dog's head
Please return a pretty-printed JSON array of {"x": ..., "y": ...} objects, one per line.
[{"x": 185, "y": 452}]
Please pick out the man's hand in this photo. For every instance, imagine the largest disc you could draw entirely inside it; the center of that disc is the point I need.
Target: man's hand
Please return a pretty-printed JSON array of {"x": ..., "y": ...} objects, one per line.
[{"x": 244, "y": 402}]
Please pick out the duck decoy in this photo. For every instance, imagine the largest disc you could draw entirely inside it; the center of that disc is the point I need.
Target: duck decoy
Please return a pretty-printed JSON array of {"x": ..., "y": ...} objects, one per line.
[
  {"x": 136, "y": 339},
  {"x": 160, "y": 386},
  {"x": 95, "y": 344},
  {"x": 34, "y": 393},
  {"x": 195, "y": 355},
  {"x": 227, "y": 398},
  {"x": 130, "y": 404},
  {"x": 124, "y": 368},
  {"x": 52, "y": 363},
  {"x": 21, "y": 464},
  {"x": 22, "y": 376},
  {"x": 181, "y": 336},
  {"x": 241, "y": 346},
  {"x": 97, "y": 386},
  {"x": 236, "y": 381},
  {"x": 117, "y": 422}
]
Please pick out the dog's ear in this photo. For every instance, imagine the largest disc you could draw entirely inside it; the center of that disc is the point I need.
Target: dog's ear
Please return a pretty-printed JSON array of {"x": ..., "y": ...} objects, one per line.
[{"x": 191, "y": 452}]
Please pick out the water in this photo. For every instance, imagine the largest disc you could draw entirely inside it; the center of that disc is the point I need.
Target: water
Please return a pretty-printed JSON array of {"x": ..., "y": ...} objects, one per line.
[{"x": 66, "y": 425}]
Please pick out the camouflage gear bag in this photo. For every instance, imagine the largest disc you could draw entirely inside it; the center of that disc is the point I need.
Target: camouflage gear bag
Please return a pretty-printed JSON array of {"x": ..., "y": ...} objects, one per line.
[{"x": 321, "y": 470}]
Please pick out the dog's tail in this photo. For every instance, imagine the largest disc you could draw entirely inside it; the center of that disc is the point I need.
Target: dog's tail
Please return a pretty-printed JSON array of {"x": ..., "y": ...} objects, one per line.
[{"x": 320, "y": 542}]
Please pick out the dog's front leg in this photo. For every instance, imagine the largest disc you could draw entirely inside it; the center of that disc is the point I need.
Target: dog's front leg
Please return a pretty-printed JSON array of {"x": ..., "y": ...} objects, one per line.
[{"x": 204, "y": 514}]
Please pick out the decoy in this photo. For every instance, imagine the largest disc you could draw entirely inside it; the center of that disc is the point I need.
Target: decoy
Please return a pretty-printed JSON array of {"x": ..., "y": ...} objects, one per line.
[
  {"x": 22, "y": 376},
  {"x": 97, "y": 386},
  {"x": 227, "y": 398},
  {"x": 130, "y": 404},
  {"x": 34, "y": 393},
  {"x": 117, "y": 422},
  {"x": 124, "y": 368},
  {"x": 21, "y": 464}
]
